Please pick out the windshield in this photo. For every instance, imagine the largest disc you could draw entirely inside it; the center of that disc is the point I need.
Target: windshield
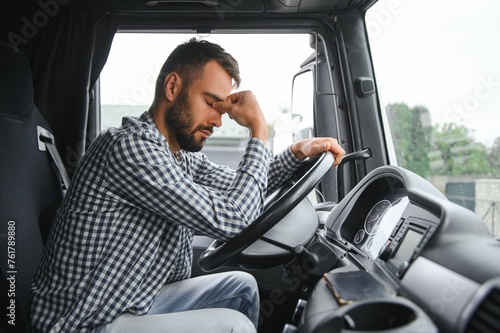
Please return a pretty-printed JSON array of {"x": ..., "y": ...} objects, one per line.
[{"x": 438, "y": 77}]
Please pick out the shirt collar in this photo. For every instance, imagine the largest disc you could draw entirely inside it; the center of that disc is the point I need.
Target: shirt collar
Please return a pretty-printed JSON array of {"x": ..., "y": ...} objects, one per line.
[{"x": 146, "y": 117}]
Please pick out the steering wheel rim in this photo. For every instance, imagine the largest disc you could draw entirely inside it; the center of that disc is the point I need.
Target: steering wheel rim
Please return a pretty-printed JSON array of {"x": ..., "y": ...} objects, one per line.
[{"x": 220, "y": 253}]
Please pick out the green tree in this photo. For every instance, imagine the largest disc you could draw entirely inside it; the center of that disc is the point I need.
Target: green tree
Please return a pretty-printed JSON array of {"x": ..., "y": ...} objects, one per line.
[
  {"x": 494, "y": 158},
  {"x": 411, "y": 134},
  {"x": 459, "y": 152}
]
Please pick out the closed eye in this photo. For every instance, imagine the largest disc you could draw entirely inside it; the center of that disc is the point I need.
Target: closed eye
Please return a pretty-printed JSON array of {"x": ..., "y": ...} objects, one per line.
[{"x": 210, "y": 98}]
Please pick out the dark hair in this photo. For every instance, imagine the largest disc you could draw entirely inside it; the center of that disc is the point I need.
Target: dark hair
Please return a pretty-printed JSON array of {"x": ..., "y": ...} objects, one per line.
[{"x": 189, "y": 58}]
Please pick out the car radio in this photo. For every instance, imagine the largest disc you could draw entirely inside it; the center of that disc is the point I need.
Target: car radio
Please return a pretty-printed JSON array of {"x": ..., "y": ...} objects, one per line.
[{"x": 404, "y": 244}]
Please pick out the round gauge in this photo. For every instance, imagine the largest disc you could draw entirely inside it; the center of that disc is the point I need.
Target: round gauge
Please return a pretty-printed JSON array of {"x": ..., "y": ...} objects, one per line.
[
  {"x": 370, "y": 243},
  {"x": 375, "y": 214},
  {"x": 359, "y": 236}
]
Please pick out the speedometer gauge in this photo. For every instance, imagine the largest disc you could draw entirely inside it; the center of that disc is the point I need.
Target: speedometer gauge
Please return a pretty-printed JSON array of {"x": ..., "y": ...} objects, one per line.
[
  {"x": 375, "y": 214},
  {"x": 359, "y": 236}
]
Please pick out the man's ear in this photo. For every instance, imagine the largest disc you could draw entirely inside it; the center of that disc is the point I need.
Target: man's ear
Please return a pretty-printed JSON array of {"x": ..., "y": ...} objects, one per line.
[{"x": 171, "y": 86}]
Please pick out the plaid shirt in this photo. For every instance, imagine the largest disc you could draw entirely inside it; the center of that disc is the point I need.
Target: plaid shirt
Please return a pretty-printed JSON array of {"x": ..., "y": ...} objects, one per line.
[{"x": 126, "y": 226}]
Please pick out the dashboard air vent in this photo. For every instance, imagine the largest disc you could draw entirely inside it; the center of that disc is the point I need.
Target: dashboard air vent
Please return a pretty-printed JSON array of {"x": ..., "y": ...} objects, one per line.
[{"x": 486, "y": 318}]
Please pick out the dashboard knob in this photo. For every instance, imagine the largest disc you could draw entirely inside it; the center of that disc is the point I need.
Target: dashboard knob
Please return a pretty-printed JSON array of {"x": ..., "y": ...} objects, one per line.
[
  {"x": 289, "y": 329},
  {"x": 402, "y": 269},
  {"x": 299, "y": 309},
  {"x": 308, "y": 260}
]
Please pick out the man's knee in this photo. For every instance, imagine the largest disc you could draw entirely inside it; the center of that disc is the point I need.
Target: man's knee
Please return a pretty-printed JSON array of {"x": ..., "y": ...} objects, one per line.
[
  {"x": 247, "y": 280},
  {"x": 235, "y": 322},
  {"x": 246, "y": 286},
  {"x": 248, "y": 291}
]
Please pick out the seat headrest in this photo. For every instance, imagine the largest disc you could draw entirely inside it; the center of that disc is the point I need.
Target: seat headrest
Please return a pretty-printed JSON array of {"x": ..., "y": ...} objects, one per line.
[{"x": 16, "y": 84}]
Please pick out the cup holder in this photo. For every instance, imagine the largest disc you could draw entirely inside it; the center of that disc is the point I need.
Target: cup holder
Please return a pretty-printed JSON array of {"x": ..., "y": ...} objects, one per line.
[
  {"x": 392, "y": 315},
  {"x": 378, "y": 316}
]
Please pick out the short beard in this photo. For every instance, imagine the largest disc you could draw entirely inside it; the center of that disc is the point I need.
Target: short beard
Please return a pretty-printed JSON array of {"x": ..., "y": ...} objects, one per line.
[{"x": 179, "y": 120}]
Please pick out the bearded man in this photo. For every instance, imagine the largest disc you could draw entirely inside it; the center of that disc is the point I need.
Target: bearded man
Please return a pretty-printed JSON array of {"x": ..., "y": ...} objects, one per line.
[{"x": 119, "y": 255}]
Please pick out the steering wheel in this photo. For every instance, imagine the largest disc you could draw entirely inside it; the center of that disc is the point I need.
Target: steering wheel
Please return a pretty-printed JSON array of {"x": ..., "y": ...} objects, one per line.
[{"x": 276, "y": 207}]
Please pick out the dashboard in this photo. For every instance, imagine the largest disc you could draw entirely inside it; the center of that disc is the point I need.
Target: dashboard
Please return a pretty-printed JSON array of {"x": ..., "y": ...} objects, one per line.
[
  {"x": 394, "y": 231},
  {"x": 409, "y": 260},
  {"x": 383, "y": 221}
]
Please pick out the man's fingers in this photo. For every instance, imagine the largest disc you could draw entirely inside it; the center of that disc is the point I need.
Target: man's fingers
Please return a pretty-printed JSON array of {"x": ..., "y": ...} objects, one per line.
[
  {"x": 235, "y": 97},
  {"x": 229, "y": 103},
  {"x": 338, "y": 159},
  {"x": 222, "y": 106},
  {"x": 334, "y": 148},
  {"x": 338, "y": 152}
]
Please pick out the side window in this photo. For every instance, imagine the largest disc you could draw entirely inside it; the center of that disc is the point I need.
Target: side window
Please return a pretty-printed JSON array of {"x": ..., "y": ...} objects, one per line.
[
  {"x": 438, "y": 78},
  {"x": 268, "y": 63},
  {"x": 302, "y": 113},
  {"x": 303, "y": 106}
]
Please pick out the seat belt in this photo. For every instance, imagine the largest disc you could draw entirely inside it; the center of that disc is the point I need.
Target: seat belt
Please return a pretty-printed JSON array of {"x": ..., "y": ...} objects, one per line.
[{"x": 46, "y": 142}]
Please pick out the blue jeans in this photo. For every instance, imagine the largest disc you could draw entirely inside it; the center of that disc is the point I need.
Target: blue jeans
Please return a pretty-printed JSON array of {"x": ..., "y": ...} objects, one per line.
[{"x": 218, "y": 303}]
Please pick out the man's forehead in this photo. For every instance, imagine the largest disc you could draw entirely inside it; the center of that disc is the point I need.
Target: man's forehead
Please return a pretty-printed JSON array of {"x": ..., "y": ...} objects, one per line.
[{"x": 215, "y": 81}]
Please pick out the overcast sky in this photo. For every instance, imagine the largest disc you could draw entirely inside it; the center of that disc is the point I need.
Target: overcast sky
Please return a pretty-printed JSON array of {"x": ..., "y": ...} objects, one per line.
[
  {"x": 267, "y": 63},
  {"x": 441, "y": 54}
]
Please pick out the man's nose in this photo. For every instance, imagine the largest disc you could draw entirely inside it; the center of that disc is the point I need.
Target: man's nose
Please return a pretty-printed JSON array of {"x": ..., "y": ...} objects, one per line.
[{"x": 215, "y": 118}]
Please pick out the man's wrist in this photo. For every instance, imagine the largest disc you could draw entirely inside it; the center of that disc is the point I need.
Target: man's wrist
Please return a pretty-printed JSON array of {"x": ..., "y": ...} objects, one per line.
[
  {"x": 260, "y": 133},
  {"x": 297, "y": 151}
]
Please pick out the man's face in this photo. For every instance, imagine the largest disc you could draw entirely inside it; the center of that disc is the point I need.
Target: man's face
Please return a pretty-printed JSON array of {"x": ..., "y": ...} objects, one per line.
[
  {"x": 180, "y": 120},
  {"x": 191, "y": 117}
]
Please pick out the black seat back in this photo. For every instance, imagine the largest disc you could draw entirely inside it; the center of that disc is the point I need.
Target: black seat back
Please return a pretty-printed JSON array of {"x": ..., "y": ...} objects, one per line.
[{"x": 30, "y": 188}]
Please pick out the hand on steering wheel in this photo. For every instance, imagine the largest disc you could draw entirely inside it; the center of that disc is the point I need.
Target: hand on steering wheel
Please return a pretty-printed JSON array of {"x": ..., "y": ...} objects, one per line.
[{"x": 277, "y": 207}]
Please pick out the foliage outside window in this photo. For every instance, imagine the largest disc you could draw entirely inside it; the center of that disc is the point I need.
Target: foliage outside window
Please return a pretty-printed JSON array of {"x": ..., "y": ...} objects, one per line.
[{"x": 438, "y": 76}]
